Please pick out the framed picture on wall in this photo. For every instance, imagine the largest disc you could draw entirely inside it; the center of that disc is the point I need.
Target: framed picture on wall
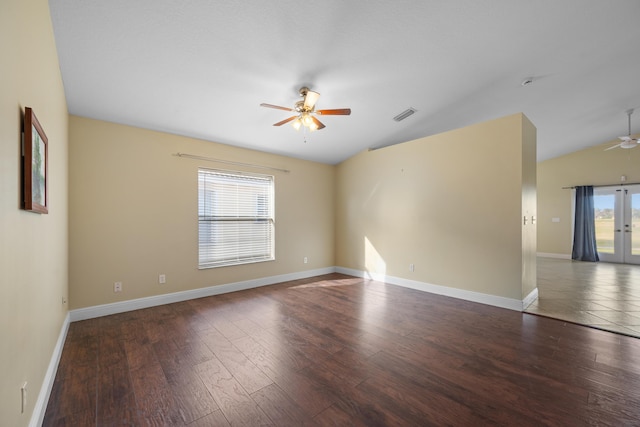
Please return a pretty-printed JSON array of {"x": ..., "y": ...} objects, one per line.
[{"x": 36, "y": 167}]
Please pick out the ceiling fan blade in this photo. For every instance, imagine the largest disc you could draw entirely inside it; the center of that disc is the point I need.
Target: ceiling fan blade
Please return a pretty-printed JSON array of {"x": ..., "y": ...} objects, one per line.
[
  {"x": 277, "y": 107},
  {"x": 310, "y": 99},
  {"x": 335, "y": 112},
  {"x": 318, "y": 123},
  {"x": 613, "y": 146},
  {"x": 285, "y": 121}
]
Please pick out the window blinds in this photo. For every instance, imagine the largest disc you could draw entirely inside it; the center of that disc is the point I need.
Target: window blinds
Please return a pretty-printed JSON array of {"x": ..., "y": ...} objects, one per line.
[{"x": 235, "y": 218}]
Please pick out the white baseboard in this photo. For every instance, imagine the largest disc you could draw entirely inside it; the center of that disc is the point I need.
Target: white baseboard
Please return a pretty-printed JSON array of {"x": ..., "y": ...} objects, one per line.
[
  {"x": 550, "y": 255},
  {"x": 529, "y": 299},
  {"x": 494, "y": 300},
  {"x": 136, "y": 304},
  {"x": 37, "y": 416}
]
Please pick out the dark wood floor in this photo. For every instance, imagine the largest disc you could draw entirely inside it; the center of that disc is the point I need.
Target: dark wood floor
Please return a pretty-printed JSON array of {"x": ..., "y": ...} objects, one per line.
[{"x": 337, "y": 350}]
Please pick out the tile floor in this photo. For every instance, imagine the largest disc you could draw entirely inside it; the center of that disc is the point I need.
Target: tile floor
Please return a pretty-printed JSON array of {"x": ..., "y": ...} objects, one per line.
[{"x": 601, "y": 295}]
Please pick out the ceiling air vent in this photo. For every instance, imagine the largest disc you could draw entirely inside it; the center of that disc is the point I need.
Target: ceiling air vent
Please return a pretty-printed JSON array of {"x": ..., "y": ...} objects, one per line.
[{"x": 404, "y": 114}]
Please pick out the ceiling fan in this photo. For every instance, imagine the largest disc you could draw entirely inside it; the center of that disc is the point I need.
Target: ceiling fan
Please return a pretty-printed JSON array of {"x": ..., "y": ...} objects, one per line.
[
  {"x": 627, "y": 141},
  {"x": 305, "y": 111}
]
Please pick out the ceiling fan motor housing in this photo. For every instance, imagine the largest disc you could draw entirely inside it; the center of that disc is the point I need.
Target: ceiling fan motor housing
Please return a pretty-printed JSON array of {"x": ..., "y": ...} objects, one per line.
[{"x": 300, "y": 107}]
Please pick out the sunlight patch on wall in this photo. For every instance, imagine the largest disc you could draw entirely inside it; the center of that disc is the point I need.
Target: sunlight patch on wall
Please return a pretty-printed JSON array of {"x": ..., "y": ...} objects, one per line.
[{"x": 374, "y": 265}]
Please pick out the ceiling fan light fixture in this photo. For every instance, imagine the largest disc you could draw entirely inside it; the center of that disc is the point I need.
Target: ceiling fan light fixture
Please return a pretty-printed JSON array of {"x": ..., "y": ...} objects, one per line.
[
  {"x": 628, "y": 144},
  {"x": 306, "y": 119}
]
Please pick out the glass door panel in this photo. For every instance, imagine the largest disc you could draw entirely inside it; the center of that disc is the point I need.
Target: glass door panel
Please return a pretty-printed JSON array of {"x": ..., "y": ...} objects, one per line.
[
  {"x": 635, "y": 224},
  {"x": 608, "y": 218},
  {"x": 604, "y": 207},
  {"x": 632, "y": 225}
]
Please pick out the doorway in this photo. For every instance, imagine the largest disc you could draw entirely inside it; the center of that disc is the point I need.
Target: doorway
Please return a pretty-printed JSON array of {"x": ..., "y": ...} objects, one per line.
[{"x": 617, "y": 220}]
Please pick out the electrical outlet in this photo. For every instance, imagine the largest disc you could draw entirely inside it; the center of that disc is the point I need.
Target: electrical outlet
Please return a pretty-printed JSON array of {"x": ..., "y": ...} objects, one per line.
[
  {"x": 23, "y": 398},
  {"x": 305, "y": 260},
  {"x": 162, "y": 278},
  {"x": 411, "y": 268},
  {"x": 117, "y": 287}
]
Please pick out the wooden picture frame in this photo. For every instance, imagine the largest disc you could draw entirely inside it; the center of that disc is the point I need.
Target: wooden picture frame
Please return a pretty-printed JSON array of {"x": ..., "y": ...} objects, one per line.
[{"x": 36, "y": 165}]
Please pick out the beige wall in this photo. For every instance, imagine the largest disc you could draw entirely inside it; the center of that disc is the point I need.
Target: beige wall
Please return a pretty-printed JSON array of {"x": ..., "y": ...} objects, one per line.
[
  {"x": 133, "y": 213},
  {"x": 592, "y": 166},
  {"x": 33, "y": 247},
  {"x": 451, "y": 204}
]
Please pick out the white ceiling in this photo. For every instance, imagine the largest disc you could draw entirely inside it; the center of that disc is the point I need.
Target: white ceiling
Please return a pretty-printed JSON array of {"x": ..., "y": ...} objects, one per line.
[{"x": 200, "y": 68}]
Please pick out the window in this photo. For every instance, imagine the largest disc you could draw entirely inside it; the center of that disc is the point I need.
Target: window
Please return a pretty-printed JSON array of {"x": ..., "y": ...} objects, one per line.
[{"x": 235, "y": 218}]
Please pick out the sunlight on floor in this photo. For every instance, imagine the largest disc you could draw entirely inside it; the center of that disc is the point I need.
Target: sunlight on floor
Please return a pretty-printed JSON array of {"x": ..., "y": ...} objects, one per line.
[{"x": 330, "y": 283}]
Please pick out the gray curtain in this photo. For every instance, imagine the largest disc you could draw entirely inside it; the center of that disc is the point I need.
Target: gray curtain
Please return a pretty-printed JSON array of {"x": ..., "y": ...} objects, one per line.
[{"x": 584, "y": 236}]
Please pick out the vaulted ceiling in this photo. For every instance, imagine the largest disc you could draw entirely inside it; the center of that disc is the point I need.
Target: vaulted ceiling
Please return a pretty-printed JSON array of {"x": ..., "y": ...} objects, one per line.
[{"x": 201, "y": 68}]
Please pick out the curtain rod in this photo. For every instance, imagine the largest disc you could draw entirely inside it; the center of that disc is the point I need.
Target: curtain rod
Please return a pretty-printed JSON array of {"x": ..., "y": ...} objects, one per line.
[
  {"x": 622, "y": 184},
  {"x": 228, "y": 162}
]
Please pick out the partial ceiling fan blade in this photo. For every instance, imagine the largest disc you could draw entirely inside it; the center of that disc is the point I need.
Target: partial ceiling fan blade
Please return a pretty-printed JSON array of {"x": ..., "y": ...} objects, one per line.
[
  {"x": 285, "y": 121},
  {"x": 310, "y": 99},
  {"x": 624, "y": 138},
  {"x": 613, "y": 146},
  {"x": 277, "y": 107},
  {"x": 318, "y": 123},
  {"x": 335, "y": 112}
]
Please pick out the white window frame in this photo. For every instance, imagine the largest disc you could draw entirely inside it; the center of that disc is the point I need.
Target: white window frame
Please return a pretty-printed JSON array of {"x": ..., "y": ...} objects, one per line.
[{"x": 236, "y": 221}]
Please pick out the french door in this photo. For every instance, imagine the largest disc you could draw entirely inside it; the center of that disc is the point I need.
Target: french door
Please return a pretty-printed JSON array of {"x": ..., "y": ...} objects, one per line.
[{"x": 617, "y": 216}]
